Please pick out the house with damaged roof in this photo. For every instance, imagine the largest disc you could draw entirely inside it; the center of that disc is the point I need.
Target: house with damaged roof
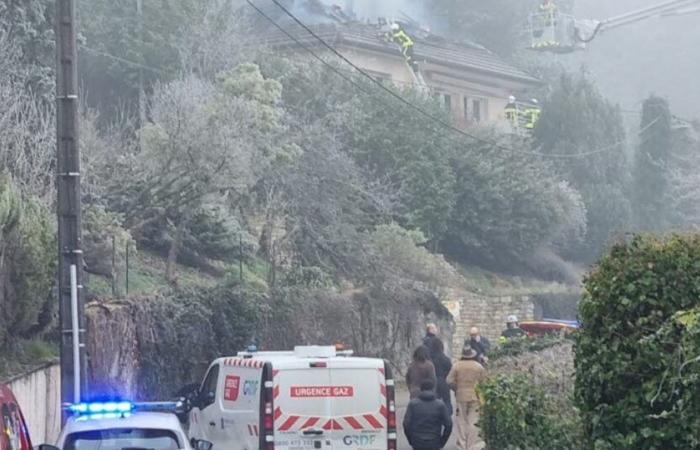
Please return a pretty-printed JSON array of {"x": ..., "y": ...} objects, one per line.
[{"x": 469, "y": 80}]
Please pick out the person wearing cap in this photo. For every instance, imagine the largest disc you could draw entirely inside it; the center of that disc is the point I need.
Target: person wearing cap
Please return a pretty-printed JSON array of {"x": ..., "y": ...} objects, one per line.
[
  {"x": 463, "y": 378},
  {"x": 480, "y": 344},
  {"x": 511, "y": 111},
  {"x": 427, "y": 423},
  {"x": 513, "y": 330}
]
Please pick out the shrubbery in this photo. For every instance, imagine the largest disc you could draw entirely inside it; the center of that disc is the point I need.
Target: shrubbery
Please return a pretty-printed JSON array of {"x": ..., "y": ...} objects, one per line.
[
  {"x": 517, "y": 414},
  {"x": 27, "y": 264},
  {"x": 637, "y": 371}
]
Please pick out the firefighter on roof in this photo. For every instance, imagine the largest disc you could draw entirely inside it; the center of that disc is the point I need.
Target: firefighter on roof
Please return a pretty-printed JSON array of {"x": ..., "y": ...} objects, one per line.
[{"x": 399, "y": 36}]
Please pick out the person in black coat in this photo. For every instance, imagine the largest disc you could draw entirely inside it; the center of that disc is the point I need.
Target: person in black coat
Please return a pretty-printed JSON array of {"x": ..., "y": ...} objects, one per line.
[
  {"x": 427, "y": 424},
  {"x": 443, "y": 365}
]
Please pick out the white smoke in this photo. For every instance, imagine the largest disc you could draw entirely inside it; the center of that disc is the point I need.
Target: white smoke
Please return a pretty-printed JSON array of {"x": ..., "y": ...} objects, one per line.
[{"x": 389, "y": 9}]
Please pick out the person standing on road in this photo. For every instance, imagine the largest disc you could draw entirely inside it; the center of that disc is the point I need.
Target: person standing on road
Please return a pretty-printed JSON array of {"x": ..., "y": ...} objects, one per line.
[
  {"x": 431, "y": 331},
  {"x": 421, "y": 369},
  {"x": 427, "y": 423},
  {"x": 443, "y": 365},
  {"x": 480, "y": 344},
  {"x": 463, "y": 378}
]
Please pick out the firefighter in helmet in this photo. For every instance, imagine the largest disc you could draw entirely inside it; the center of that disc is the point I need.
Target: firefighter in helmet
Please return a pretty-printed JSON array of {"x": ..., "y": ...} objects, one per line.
[
  {"x": 399, "y": 36},
  {"x": 511, "y": 112}
]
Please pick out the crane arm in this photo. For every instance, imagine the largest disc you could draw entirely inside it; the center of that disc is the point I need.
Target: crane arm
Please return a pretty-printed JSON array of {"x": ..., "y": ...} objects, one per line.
[{"x": 587, "y": 30}]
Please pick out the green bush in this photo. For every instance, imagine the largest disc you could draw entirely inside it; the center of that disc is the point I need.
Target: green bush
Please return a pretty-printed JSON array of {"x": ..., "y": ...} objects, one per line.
[
  {"x": 637, "y": 371},
  {"x": 27, "y": 265},
  {"x": 516, "y": 414},
  {"x": 515, "y": 347}
]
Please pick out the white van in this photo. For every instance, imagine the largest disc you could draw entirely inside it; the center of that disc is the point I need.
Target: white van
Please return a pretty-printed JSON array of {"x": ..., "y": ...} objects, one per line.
[{"x": 313, "y": 398}]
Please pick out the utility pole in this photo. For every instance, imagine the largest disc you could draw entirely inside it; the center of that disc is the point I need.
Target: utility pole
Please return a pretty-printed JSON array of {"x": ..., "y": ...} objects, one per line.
[
  {"x": 70, "y": 255},
  {"x": 142, "y": 91}
]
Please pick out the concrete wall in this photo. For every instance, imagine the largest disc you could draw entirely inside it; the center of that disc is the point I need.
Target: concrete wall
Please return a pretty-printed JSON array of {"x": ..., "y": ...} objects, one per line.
[
  {"x": 487, "y": 312},
  {"x": 38, "y": 393}
]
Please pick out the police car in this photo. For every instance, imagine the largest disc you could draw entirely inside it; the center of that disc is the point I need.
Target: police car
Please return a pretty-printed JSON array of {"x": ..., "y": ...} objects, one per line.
[{"x": 125, "y": 426}]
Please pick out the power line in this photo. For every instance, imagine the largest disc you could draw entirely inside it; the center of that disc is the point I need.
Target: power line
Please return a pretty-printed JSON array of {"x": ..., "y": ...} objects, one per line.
[
  {"x": 308, "y": 49},
  {"x": 421, "y": 110},
  {"x": 122, "y": 60},
  {"x": 406, "y": 102}
]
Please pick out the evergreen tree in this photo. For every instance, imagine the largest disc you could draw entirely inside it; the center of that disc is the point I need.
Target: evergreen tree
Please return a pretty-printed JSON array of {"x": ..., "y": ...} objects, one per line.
[
  {"x": 651, "y": 175},
  {"x": 579, "y": 122}
]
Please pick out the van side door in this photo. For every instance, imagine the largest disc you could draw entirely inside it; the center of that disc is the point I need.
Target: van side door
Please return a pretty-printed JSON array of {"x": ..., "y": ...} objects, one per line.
[{"x": 207, "y": 415}]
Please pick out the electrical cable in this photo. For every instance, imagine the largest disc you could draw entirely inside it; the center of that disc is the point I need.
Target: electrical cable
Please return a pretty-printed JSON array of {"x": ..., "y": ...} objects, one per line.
[
  {"x": 308, "y": 49},
  {"x": 122, "y": 60},
  {"x": 421, "y": 110}
]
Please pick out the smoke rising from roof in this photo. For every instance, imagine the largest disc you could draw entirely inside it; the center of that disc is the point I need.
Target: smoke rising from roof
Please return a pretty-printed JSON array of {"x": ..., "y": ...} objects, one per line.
[{"x": 374, "y": 9}]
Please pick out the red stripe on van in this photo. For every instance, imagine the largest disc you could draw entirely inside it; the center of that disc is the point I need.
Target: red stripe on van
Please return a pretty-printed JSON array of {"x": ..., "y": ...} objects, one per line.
[
  {"x": 332, "y": 425},
  {"x": 383, "y": 372},
  {"x": 383, "y": 411},
  {"x": 275, "y": 372},
  {"x": 278, "y": 413},
  {"x": 276, "y": 391},
  {"x": 353, "y": 423},
  {"x": 289, "y": 423},
  {"x": 374, "y": 423},
  {"x": 382, "y": 388},
  {"x": 310, "y": 422}
]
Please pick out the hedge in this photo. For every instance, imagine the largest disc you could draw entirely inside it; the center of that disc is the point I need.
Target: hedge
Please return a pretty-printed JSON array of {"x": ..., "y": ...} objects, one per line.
[
  {"x": 516, "y": 414},
  {"x": 637, "y": 369}
]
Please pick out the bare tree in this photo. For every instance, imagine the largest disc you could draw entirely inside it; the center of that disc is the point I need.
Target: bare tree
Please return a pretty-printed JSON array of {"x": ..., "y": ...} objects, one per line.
[{"x": 27, "y": 127}]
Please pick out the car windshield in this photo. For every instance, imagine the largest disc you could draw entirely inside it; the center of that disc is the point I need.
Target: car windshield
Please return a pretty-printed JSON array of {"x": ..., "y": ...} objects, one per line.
[{"x": 123, "y": 439}]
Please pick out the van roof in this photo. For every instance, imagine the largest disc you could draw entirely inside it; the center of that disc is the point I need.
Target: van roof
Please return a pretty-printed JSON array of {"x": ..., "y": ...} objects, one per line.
[{"x": 300, "y": 357}]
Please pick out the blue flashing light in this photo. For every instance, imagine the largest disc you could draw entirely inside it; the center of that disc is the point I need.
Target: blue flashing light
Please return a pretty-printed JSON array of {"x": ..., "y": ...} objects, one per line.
[{"x": 92, "y": 409}]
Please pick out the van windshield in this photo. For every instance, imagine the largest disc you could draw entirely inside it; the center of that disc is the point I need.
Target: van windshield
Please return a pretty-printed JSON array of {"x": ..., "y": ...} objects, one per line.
[{"x": 123, "y": 439}]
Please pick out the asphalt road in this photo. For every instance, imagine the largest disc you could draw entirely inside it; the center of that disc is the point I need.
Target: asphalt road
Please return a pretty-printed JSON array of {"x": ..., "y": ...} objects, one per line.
[{"x": 401, "y": 403}]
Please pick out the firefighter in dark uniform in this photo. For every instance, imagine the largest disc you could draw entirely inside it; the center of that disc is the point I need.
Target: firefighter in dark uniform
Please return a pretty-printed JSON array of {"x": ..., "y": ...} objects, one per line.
[{"x": 511, "y": 112}]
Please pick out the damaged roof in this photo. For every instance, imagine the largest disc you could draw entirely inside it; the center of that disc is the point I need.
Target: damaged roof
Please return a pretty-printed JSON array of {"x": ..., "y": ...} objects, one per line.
[{"x": 429, "y": 48}]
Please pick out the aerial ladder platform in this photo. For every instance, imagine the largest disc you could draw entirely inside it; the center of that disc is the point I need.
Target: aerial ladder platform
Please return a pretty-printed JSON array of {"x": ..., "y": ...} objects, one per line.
[{"x": 566, "y": 34}]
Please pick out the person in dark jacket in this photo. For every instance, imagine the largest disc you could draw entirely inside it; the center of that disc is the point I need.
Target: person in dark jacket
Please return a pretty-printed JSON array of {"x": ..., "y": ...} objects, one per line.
[
  {"x": 427, "y": 424},
  {"x": 431, "y": 331},
  {"x": 480, "y": 344},
  {"x": 421, "y": 369},
  {"x": 443, "y": 365}
]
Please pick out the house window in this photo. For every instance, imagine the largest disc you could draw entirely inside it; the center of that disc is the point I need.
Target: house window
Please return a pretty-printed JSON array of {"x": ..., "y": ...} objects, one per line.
[
  {"x": 476, "y": 110},
  {"x": 447, "y": 102}
]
